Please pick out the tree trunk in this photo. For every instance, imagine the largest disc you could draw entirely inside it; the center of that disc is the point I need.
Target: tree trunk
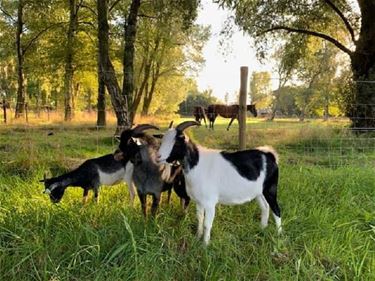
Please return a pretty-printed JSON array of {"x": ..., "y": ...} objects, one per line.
[
  {"x": 146, "y": 101},
  {"x": 89, "y": 102},
  {"x": 37, "y": 108},
  {"x": 101, "y": 120},
  {"x": 142, "y": 89},
  {"x": 107, "y": 70},
  {"x": 154, "y": 66},
  {"x": 326, "y": 107},
  {"x": 21, "y": 96},
  {"x": 74, "y": 96},
  {"x": 69, "y": 53},
  {"x": 128, "y": 61},
  {"x": 5, "y": 110},
  {"x": 150, "y": 93},
  {"x": 301, "y": 117},
  {"x": 362, "y": 112},
  {"x": 55, "y": 98},
  {"x": 275, "y": 104}
]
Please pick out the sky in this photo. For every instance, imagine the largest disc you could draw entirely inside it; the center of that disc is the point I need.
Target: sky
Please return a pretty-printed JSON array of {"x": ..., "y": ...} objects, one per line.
[{"x": 221, "y": 72}]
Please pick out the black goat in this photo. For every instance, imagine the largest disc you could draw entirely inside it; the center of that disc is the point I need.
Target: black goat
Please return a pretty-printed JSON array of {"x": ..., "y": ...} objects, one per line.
[
  {"x": 149, "y": 177},
  {"x": 91, "y": 174}
]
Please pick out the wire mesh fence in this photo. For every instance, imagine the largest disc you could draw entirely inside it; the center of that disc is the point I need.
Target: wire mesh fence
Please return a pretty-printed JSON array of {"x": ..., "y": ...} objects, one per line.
[
  {"x": 302, "y": 131},
  {"x": 313, "y": 142}
]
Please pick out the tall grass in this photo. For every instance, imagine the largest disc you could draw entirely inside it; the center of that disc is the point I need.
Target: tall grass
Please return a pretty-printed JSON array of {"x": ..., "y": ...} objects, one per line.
[{"x": 328, "y": 214}]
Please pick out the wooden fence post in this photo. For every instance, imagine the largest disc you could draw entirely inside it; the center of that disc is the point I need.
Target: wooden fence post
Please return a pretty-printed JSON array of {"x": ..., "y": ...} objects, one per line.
[{"x": 242, "y": 108}]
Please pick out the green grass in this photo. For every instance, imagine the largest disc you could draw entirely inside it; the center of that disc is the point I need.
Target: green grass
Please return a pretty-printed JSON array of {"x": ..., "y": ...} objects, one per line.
[{"x": 326, "y": 192}]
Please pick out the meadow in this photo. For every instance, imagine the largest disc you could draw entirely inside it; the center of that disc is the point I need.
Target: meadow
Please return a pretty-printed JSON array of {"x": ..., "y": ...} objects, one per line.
[{"x": 326, "y": 193}]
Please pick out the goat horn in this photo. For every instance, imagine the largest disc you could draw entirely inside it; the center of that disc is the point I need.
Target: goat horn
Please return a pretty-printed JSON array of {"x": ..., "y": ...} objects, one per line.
[
  {"x": 140, "y": 128},
  {"x": 186, "y": 124},
  {"x": 170, "y": 124}
]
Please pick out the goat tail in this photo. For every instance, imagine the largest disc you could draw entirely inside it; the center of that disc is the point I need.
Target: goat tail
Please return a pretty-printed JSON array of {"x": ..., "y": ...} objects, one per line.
[{"x": 269, "y": 149}]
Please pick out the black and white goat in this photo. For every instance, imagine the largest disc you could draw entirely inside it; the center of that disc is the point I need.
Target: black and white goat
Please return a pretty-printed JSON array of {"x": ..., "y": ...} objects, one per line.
[
  {"x": 149, "y": 177},
  {"x": 93, "y": 173},
  {"x": 228, "y": 178}
]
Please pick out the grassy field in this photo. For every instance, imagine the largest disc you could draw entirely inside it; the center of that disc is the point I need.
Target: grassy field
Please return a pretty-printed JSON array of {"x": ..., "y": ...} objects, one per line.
[{"x": 326, "y": 192}]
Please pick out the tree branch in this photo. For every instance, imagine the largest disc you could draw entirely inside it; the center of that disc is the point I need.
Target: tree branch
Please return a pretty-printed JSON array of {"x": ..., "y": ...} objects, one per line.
[
  {"x": 343, "y": 18},
  {"x": 147, "y": 16},
  {"x": 89, "y": 36},
  {"x": 40, "y": 33},
  {"x": 113, "y": 5},
  {"x": 89, "y": 23},
  {"x": 312, "y": 33},
  {"x": 7, "y": 14},
  {"x": 162, "y": 73},
  {"x": 90, "y": 9},
  {"x": 78, "y": 6}
]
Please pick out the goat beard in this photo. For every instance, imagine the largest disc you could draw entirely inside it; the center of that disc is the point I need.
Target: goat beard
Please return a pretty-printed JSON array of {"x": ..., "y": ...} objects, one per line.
[{"x": 166, "y": 170}]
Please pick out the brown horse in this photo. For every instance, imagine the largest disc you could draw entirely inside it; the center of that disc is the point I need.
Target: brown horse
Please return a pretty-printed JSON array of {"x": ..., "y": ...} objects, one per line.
[
  {"x": 227, "y": 111},
  {"x": 199, "y": 113}
]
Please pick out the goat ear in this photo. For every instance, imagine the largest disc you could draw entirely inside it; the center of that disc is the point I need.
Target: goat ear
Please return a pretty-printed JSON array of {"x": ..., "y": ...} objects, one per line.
[
  {"x": 44, "y": 177},
  {"x": 184, "y": 125}
]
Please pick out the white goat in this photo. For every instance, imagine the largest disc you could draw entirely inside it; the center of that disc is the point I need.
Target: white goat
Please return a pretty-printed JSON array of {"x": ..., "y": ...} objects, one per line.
[{"x": 228, "y": 178}]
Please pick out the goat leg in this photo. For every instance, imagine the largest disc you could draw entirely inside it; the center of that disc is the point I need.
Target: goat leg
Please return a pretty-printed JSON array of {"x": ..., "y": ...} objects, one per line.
[
  {"x": 142, "y": 198},
  {"x": 96, "y": 194},
  {"x": 85, "y": 196},
  {"x": 186, "y": 204},
  {"x": 155, "y": 204},
  {"x": 169, "y": 196}
]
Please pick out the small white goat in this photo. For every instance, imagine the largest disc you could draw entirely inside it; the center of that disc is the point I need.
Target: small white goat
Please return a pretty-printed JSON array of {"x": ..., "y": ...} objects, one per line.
[{"x": 229, "y": 178}]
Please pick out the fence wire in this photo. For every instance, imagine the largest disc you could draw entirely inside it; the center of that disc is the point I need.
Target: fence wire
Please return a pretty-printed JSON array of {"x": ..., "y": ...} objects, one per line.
[{"x": 336, "y": 142}]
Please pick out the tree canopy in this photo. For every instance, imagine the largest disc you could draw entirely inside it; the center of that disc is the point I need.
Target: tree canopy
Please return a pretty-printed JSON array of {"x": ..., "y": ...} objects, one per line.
[
  {"x": 56, "y": 63},
  {"x": 347, "y": 25}
]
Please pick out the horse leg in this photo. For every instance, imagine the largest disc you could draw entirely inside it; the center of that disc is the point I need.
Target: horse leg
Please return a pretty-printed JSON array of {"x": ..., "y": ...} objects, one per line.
[
  {"x": 210, "y": 120},
  {"x": 213, "y": 122},
  {"x": 230, "y": 123}
]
